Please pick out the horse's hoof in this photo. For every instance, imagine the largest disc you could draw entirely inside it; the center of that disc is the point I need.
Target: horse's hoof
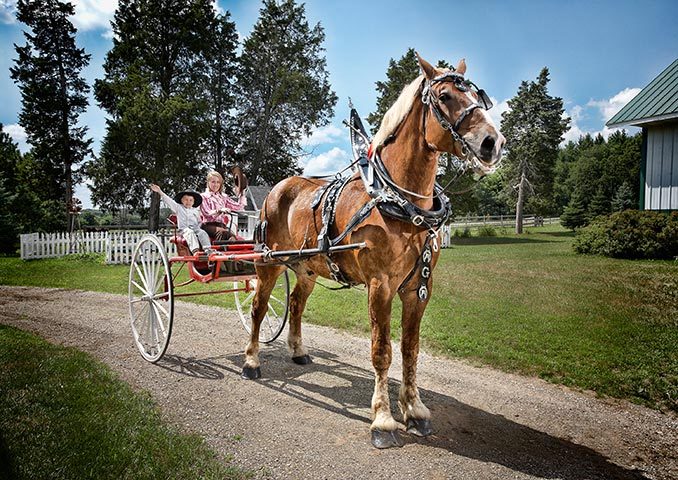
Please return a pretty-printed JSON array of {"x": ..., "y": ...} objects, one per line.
[
  {"x": 303, "y": 360},
  {"x": 421, "y": 427},
  {"x": 249, "y": 373},
  {"x": 386, "y": 438}
]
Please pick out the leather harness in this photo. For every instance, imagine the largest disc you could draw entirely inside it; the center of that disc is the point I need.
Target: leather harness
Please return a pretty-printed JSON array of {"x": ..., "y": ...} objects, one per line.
[{"x": 387, "y": 196}]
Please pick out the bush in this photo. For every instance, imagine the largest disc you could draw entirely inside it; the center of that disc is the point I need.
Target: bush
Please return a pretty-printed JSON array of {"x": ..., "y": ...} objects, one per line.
[
  {"x": 465, "y": 233},
  {"x": 487, "y": 231},
  {"x": 631, "y": 234}
]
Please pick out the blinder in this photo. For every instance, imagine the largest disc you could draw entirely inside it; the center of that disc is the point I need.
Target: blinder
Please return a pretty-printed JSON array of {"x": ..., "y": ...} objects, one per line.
[{"x": 464, "y": 85}]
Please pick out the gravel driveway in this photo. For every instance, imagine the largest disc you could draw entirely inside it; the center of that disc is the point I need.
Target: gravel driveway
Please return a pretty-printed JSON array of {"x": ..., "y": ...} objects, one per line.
[{"x": 311, "y": 422}]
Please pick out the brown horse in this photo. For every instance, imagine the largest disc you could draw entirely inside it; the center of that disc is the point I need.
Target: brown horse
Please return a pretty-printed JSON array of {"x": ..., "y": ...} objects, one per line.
[{"x": 438, "y": 112}]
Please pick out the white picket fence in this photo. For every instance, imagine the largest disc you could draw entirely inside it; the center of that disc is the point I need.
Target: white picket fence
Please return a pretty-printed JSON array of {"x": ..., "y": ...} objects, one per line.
[{"x": 117, "y": 245}]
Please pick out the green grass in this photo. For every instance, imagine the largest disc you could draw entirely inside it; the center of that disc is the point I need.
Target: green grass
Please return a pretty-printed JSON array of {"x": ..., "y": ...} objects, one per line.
[
  {"x": 524, "y": 304},
  {"x": 64, "y": 415}
]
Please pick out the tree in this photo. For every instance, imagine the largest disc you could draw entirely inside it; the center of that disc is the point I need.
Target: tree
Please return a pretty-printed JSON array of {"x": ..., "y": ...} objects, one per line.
[
  {"x": 283, "y": 90},
  {"x": 53, "y": 95},
  {"x": 155, "y": 90},
  {"x": 623, "y": 198},
  {"x": 399, "y": 74},
  {"x": 575, "y": 213},
  {"x": 533, "y": 126},
  {"x": 222, "y": 67}
]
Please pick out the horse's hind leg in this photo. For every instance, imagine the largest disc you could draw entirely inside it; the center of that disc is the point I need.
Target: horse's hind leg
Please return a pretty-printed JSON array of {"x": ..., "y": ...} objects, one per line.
[
  {"x": 416, "y": 416},
  {"x": 302, "y": 290},
  {"x": 266, "y": 279},
  {"x": 384, "y": 429}
]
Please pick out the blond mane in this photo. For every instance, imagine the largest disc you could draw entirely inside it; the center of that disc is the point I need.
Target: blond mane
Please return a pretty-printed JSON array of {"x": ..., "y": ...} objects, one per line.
[{"x": 397, "y": 113}]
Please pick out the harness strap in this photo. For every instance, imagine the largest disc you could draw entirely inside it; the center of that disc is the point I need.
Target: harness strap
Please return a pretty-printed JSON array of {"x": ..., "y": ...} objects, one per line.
[
  {"x": 423, "y": 264},
  {"x": 329, "y": 209}
]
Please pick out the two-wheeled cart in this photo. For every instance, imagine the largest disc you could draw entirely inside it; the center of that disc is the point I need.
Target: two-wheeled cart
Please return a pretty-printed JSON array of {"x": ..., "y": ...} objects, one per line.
[{"x": 154, "y": 285}]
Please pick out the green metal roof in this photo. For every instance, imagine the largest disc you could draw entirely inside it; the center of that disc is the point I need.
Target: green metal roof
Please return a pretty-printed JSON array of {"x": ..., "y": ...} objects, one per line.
[{"x": 656, "y": 102}]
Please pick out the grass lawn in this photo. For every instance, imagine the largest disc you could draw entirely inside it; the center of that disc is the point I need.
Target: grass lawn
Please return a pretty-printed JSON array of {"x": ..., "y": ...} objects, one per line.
[
  {"x": 64, "y": 415},
  {"x": 525, "y": 304}
]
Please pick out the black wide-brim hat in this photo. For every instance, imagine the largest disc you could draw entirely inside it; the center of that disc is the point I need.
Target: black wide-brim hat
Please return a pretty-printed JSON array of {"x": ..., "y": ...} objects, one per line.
[{"x": 196, "y": 197}]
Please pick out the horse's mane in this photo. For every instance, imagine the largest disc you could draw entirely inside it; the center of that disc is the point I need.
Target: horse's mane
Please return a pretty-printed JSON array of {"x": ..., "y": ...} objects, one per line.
[{"x": 397, "y": 113}]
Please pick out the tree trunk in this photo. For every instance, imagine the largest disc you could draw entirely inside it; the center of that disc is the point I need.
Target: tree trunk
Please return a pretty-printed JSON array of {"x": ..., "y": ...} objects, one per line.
[
  {"x": 154, "y": 213},
  {"x": 519, "y": 205}
]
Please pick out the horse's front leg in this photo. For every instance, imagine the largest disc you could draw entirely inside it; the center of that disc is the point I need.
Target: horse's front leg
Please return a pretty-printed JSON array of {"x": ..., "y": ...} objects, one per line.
[
  {"x": 384, "y": 429},
  {"x": 266, "y": 278},
  {"x": 302, "y": 290},
  {"x": 416, "y": 415}
]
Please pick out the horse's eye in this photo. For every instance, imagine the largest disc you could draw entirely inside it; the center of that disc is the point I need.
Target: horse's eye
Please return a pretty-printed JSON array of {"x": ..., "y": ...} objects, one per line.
[{"x": 444, "y": 96}]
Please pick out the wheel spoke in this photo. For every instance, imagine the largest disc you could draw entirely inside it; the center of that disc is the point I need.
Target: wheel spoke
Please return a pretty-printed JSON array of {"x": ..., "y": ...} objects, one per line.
[
  {"x": 140, "y": 288},
  {"x": 158, "y": 310},
  {"x": 141, "y": 277},
  {"x": 158, "y": 326}
]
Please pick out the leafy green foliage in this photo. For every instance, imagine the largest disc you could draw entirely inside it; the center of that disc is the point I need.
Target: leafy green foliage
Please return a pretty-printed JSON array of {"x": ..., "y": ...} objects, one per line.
[
  {"x": 631, "y": 234},
  {"x": 575, "y": 214},
  {"x": 222, "y": 64},
  {"x": 596, "y": 175},
  {"x": 53, "y": 95},
  {"x": 283, "y": 91}
]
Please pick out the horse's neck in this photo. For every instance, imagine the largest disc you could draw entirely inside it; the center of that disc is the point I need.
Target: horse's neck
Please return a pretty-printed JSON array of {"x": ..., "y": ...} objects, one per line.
[{"x": 411, "y": 163}]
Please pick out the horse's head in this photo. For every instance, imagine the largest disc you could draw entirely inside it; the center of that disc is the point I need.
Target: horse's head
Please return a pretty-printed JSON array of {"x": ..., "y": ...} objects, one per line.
[{"x": 463, "y": 126}]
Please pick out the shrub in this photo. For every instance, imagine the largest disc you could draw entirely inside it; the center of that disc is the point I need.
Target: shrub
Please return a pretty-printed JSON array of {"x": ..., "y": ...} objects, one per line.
[
  {"x": 631, "y": 234},
  {"x": 465, "y": 233},
  {"x": 487, "y": 231}
]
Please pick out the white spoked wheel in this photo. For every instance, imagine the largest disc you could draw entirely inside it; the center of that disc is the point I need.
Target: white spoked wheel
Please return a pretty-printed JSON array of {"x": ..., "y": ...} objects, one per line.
[
  {"x": 278, "y": 306},
  {"x": 151, "y": 298}
]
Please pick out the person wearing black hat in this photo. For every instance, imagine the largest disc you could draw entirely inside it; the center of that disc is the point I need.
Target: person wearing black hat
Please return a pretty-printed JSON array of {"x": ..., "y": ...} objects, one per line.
[{"x": 185, "y": 205}]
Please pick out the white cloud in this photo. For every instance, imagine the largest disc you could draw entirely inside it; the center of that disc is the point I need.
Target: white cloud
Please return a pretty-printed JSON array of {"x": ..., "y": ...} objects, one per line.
[
  {"x": 18, "y": 134},
  {"x": 94, "y": 15},
  {"x": 602, "y": 111},
  {"x": 608, "y": 108},
  {"x": 7, "y": 11},
  {"x": 327, "y": 163},
  {"x": 323, "y": 135},
  {"x": 496, "y": 111}
]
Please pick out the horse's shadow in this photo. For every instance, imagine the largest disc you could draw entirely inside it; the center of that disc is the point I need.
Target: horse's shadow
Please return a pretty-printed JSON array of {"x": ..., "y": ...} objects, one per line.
[{"x": 458, "y": 428}]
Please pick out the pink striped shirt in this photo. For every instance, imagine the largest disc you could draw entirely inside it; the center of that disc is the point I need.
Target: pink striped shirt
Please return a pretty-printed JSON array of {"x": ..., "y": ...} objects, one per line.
[{"x": 216, "y": 201}]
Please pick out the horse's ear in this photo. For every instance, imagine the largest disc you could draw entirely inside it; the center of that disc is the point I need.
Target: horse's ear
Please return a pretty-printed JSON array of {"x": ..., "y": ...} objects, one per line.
[
  {"x": 461, "y": 68},
  {"x": 426, "y": 68}
]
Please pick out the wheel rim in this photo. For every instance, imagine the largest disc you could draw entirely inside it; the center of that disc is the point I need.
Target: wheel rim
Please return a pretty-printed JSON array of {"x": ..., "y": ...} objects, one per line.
[
  {"x": 151, "y": 298},
  {"x": 276, "y": 316}
]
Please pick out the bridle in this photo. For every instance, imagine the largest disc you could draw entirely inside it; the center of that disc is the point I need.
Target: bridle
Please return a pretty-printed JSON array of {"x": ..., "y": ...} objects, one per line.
[{"x": 428, "y": 98}]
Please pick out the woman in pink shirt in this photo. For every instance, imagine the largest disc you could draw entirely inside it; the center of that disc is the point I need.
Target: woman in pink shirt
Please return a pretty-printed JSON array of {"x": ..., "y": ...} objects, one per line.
[{"x": 216, "y": 207}]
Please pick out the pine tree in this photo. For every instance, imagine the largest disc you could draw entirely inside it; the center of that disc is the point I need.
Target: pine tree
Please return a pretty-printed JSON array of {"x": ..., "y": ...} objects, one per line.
[
  {"x": 283, "y": 90},
  {"x": 623, "y": 198},
  {"x": 600, "y": 204},
  {"x": 533, "y": 127},
  {"x": 399, "y": 74},
  {"x": 54, "y": 95},
  {"x": 155, "y": 90},
  {"x": 575, "y": 213}
]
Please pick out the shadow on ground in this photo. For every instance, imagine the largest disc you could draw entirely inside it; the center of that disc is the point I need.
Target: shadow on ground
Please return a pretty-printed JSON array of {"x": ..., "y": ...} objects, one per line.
[{"x": 458, "y": 428}]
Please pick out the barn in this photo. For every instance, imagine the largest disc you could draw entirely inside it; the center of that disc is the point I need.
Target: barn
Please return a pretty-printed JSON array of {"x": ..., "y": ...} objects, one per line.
[{"x": 655, "y": 110}]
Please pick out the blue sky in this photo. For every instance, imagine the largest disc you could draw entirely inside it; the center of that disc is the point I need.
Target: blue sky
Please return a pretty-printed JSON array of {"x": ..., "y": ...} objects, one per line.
[{"x": 599, "y": 54}]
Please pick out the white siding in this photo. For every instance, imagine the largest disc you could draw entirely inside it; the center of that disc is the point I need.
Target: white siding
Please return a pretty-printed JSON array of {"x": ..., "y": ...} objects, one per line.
[{"x": 661, "y": 172}]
